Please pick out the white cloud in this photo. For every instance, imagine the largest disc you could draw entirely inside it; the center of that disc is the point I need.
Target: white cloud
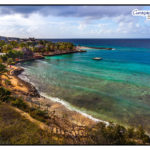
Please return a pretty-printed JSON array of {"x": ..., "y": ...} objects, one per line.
[
  {"x": 40, "y": 26},
  {"x": 82, "y": 26}
]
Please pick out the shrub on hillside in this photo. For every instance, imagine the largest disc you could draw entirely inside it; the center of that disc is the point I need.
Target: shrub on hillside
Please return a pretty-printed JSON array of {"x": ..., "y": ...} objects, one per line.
[
  {"x": 19, "y": 103},
  {"x": 4, "y": 94},
  {"x": 114, "y": 134},
  {"x": 39, "y": 115},
  {"x": 7, "y": 82}
]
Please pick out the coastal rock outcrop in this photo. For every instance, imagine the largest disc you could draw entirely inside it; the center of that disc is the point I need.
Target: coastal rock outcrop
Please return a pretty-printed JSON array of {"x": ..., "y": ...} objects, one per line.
[
  {"x": 33, "y": 92},
  {"x": 17, "y": 71}
]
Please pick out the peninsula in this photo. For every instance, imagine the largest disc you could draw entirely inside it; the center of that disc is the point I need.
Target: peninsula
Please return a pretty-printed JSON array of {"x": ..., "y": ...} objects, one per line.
[{"x": 13, "y": 50}]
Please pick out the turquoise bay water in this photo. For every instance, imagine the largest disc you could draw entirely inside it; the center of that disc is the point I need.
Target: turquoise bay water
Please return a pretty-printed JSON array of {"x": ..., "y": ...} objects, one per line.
[{"x": 114, "y": 89}]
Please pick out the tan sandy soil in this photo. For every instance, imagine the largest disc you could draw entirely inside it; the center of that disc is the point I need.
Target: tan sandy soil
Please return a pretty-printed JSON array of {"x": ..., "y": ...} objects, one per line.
[{"x": 15, "y": 84}]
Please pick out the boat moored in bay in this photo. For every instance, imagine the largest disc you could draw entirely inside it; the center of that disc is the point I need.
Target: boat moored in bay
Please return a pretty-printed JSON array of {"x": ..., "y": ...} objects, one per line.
[{"x": 97, "y": 58}]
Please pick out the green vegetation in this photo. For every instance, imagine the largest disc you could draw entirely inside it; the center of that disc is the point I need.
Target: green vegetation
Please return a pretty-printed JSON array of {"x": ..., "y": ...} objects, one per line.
[
  {"x": 64, "y": 46},
  {"x": 23, "y": 49},
  {"x": 17, "y": 102},
  {"x": 38, "y": 114},
  {"x": 3, "y": 69},
  {"x": 2, "y": 43},
  {"x": 114, "y": 134},
  {"x": 10, "y": 56},
  {"x": 14, "y": 129},
  {"x": 4, "y": 95}
]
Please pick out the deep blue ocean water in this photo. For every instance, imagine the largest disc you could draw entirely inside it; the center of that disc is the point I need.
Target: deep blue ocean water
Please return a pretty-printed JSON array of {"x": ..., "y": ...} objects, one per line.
[{"x": 116, "y": 88}]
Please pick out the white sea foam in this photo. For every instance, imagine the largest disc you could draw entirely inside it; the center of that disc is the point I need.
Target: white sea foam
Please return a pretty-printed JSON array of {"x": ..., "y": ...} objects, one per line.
[
  {"x": 68, "y": 106},
  {"x": 24, "y": 77}
]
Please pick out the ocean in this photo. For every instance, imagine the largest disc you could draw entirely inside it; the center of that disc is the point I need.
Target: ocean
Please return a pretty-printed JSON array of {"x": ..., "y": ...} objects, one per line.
[{"x": 115, "y": 89}]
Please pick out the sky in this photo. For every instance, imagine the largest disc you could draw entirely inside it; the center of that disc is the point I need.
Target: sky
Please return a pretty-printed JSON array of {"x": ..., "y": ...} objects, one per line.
[{"x": 73, "y": 22}]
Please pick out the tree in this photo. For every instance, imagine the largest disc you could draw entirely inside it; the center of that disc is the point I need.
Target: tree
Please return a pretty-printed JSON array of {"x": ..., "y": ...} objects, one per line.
[
  {"x": 19, "y": 103},
  {"x": 14, "y": 43},
  {"x": 22, "y": 45},
  {"x": 2, "y": 43},
  {"x": 4, "y": 58},
  {"x": 14, "y": 54},
  {"x": 52, "y": 47},
  {"x": 2, "y": 69},
  {"x": 42, "y": 42},
  {"x": 9, "y": 61},
  {"x": 4, "y": 48},
  {"x": 4, "y": 94}
]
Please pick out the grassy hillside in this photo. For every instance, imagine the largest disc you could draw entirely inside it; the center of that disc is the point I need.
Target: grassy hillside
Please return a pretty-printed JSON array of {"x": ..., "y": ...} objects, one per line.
[{"x": 15, "y": 129}]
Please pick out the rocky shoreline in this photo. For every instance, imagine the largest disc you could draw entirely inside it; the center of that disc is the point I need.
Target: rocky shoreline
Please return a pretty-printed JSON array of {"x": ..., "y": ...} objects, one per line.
[
  {"x": 41, "y": 56},
  {"x": 32, "y": 90},
  {"x": 61, "y": 111}
]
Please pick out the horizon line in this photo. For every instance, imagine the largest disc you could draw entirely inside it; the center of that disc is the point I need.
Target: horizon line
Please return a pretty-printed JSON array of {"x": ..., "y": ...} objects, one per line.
[{"x": 70, "y": 38}]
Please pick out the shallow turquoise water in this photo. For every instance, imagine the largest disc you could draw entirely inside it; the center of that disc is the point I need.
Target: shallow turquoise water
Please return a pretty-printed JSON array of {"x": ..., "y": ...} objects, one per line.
[{"x": 114, "y": 89}]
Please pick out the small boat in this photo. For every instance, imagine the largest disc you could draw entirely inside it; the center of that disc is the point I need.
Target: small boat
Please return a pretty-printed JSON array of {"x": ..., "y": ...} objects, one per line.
[{"x": 97, "y": 58}]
